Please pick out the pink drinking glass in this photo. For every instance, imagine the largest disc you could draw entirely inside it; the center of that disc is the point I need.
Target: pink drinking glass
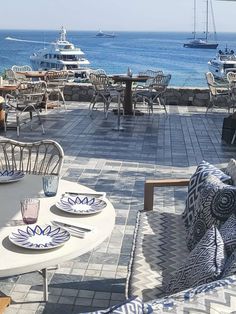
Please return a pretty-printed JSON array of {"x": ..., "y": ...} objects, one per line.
[{"x": 30, "y": 210}]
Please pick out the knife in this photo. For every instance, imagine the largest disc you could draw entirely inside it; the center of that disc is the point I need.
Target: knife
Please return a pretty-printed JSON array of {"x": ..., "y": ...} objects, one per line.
[
  {"x": 73, "y": 232},
  {"x": 102, "y": 194},
  {"x": 76, "y": 228}
]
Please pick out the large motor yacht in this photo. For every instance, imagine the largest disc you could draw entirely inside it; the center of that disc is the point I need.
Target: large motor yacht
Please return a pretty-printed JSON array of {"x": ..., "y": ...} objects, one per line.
[
  {"x": 60, "y": 55},
  {"x": 224, "y": 62}
]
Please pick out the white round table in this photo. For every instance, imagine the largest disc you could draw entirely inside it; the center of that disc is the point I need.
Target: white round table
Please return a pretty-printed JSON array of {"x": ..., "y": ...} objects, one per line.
[{"x": 16, "y": 260}]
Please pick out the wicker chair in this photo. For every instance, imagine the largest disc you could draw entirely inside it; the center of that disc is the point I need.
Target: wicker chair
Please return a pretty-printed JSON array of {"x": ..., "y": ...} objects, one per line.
[
  {"x": 39, "y": 158},
  {"x": 28, "y": 97},
  {"x": 104, "y": 91},
  {"x": 219, "y": 93}
]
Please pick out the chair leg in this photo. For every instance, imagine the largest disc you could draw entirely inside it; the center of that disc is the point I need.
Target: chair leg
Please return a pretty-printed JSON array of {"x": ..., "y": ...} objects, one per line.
[{"x": 5, "y": 301}]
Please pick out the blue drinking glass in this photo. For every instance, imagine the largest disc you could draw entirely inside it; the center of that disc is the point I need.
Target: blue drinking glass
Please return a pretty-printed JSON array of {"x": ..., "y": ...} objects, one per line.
[{"x": 50, "y": 185}]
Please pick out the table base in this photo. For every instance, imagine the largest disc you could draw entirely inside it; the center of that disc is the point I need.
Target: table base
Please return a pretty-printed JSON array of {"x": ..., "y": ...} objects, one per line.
[{"x": 120, "y": 128}]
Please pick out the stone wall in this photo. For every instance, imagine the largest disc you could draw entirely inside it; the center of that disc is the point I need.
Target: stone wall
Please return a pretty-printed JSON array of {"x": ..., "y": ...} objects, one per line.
[{"x": 174, "y": 96}]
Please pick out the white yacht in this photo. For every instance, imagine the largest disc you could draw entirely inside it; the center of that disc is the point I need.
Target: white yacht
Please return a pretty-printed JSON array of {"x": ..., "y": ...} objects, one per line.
[
  {"x": 224, "y": 62},
  {"x": 60, "y": 55}
]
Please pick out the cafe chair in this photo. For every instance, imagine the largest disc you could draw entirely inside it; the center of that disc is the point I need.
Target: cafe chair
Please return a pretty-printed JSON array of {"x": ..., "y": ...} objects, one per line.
[
  {"x": 14, "y": 78},
  {"x": 104, "y": 91},
  {"x": 38, "y": 158},
  {"x": 231, "y": 78},
  {"x": 28, "y": 97},
  {"x": 44, "y": 157},
  {"x": 155, "y": 94},
  {"x": 219, "y": 93},
  {"x": 142, "y": 89},
  {"x": 56, "y": 81}
]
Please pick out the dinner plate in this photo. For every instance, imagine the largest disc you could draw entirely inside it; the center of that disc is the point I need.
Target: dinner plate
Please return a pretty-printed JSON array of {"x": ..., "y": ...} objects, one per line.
[
  {"x": 39, "y": 237},
  {"x": 7, "y": 176},
  {"x": 81, "y": 204}
]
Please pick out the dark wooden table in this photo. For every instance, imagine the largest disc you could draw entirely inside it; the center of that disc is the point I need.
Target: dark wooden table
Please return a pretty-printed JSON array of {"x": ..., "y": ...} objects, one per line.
[{"x": 128, "y": 80}]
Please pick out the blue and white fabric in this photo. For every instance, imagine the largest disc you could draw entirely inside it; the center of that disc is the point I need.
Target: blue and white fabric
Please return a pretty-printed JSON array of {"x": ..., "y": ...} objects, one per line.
[
  {"x": 215, "y": 203},
  {"x": 230, "y": 266},
  {"x": 131, "y": 306},
  {"x": 228, "y": 233},
  {"x": 204, "y": 263},
  {"x": 195, "y": 184}
]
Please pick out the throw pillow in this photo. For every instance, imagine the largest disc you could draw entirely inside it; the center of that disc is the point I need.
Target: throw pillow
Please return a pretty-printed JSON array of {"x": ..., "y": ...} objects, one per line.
[
  {"x": 228, "y": 233},
  {"x": 195, "y": 184},
  {"x": 204, "y": 263},
  {"x": 216, "y": 202},
  {"x": 231, "y": 170},
  {"x": 230, "y": 266}
]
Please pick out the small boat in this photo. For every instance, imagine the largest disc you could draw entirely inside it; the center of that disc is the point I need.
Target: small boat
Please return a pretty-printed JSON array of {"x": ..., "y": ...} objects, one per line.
[
  {"x": 224, "y": 62},
  {"x": 102, "y": 34},
  {"x": 60, "y": 55},
  {"x": 203, "y": 43}
]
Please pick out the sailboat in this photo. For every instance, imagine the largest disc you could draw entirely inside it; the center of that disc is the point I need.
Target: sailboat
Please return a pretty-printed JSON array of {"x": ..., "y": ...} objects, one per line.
[{"x": 203, "y": 43}]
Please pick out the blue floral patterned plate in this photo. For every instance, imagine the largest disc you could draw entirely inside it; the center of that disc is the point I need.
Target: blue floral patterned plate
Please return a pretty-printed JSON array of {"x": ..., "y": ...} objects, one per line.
[
  {"x": 7, "y": 176},
  {"x": 39, "y": 237},
  {"x": 81, "y": 204}
]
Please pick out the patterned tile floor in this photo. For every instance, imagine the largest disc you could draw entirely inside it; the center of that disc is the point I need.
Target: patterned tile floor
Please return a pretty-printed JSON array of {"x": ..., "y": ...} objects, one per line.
[{"x": 117, "y": 163}]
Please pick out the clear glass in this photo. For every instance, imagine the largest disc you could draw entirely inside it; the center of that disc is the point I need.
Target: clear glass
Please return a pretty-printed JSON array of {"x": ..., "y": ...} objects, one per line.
[
  {"x": 30, "y": 210},
  {"x": 50, "y": 185}
]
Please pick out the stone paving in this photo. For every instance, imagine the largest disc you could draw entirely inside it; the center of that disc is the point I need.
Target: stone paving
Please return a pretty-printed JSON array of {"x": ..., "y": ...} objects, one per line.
[{"x": 117, "y": 163}]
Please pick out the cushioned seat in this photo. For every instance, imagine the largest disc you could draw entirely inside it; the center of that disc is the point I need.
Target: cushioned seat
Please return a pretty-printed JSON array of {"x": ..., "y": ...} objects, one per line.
[{"x": 158, "y": 251}]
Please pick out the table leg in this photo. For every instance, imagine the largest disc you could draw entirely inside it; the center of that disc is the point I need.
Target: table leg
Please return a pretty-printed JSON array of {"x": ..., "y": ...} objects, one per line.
[
  {"x": 45, "y": 284},
  {"x": 128, "y": 104},
  {"x": 118, "y": 128}
]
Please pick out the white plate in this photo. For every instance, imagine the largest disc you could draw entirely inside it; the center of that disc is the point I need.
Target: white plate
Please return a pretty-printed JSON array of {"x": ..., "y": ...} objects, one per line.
[
  {"x": 81, "y": 204},
  {"x": 7, "y": 176},
  {"x": 39, "y": 237}
]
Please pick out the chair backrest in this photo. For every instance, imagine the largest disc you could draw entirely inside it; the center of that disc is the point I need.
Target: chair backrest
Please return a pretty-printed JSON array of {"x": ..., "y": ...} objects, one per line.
[
  {"x": 14, "y": 77},
  {"x": 98, "y": 71},
  {"x": 39, "y": 158},
  {"x": 21, "y": 68},
  {"x": 31, "y": 92},
  {"x": 99, "y": 81},
  {"x": 151, "y": 74},
  {"x": 161, "y": 82},
  {"x": 231, "y": 77},
  {"x": 211, "y": 84},
  {"x": 57, "y": 76}
]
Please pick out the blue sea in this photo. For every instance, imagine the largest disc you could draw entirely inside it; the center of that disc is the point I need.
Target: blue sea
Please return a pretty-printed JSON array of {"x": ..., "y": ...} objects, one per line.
[{"x": 136, "y": 50}]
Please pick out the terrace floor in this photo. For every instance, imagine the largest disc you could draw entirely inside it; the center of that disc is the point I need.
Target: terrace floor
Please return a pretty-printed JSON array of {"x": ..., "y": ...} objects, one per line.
[{"x": 117, "y": 163}]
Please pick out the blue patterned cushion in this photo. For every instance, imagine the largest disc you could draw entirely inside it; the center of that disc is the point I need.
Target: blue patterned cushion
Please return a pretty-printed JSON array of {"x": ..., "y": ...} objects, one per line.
[
  {"x": 228, "y": 233},
  {"x": 230, "y": 266},
  {"x": 216, "y": 202},
  {"x": 195, "y": 184},
  {"x": 131, "y": 306},
  {"x": 204, "y": 263}
]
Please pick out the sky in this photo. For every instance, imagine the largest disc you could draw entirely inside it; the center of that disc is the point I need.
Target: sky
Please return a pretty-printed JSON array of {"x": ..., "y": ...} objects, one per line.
[{"x": 113, "y": 15}]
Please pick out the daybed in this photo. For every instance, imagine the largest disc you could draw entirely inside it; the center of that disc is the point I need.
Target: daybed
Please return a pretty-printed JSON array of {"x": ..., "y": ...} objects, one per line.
[{"x": 163, "y": 272}]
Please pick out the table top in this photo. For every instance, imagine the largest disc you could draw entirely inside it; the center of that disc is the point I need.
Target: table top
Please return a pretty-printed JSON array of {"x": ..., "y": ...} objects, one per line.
[
  {"x": 8, "y": 87},
  {"x": 127, "y": 78},
  {"x": 16, "y": 260}
]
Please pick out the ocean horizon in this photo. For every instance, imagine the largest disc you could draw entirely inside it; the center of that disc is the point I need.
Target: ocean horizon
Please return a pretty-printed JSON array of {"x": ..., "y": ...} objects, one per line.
[{"x": 137, "y": 50}]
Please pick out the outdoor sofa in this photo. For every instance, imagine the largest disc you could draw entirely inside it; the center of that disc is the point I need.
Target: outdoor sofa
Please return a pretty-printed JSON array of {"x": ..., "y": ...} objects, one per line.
[{"x": 183, "y": 258}]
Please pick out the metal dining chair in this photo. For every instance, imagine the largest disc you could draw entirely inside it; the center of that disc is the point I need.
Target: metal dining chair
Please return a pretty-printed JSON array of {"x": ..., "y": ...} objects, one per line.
[
  {"x": 28, "y": 97},
  {"x": 36, "y": 158},
  {"x": 219, "y": 93},
  {"x": 154, "y": 94},
  {"x": 104, "y": 91},
  {"x": 231, "y": 78},
  {"x": 56, "y": 81}
]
